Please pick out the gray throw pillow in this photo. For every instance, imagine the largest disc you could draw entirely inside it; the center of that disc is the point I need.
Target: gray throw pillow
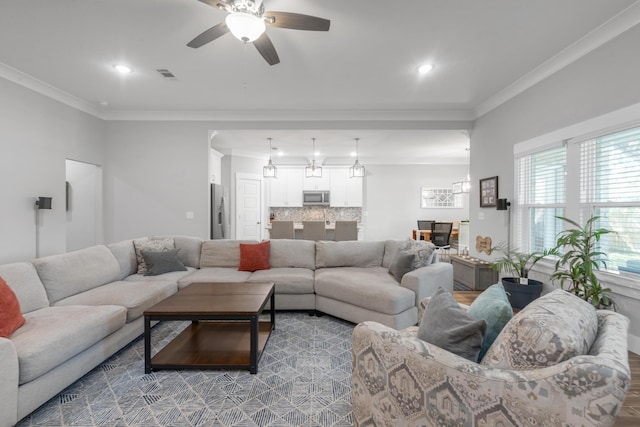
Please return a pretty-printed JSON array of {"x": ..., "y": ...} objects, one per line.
[
  {"x": 159, "y": 262},
  {"x": 449, "y": 326},
  {"x": 401, "y": 264}
]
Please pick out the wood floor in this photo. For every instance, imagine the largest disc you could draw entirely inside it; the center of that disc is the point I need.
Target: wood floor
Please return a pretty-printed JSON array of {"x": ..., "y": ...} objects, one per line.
[{"x": 629, "y": 415}]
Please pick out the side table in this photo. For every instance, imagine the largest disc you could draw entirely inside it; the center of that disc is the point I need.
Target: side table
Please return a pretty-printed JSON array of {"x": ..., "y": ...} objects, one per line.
[{"x": 474, "y": 273}]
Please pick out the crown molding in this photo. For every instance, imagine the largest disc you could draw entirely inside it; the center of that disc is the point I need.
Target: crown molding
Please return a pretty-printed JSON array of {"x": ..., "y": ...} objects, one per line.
[
  {"x": 38, "y": 86},
  {"x": 609, "y": 30}
]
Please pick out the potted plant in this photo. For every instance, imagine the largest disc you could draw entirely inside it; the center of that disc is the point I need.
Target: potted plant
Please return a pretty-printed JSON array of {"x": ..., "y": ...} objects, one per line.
[
  {"x": 519, "y": 288},
  {"x": 580, "y": 260}
]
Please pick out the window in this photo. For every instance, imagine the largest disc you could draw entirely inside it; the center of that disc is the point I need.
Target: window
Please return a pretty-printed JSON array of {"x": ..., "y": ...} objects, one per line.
[{"x": 597, "y": 176}]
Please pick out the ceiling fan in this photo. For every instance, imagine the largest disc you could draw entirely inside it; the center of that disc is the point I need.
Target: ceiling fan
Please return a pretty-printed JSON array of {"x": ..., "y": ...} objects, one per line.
[{"x": 247, "y": 21}]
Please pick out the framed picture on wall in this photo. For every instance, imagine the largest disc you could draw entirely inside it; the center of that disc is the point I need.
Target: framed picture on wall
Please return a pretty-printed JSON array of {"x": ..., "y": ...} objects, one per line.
[{"x": 489, "y": 192}]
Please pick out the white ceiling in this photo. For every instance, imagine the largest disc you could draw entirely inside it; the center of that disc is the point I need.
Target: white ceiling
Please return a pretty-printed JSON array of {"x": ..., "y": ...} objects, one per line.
[{"x": 362, "y": 71}]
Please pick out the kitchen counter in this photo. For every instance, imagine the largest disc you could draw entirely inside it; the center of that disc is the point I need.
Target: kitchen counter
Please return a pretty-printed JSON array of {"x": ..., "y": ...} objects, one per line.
[{"x": 298, "y": 226}]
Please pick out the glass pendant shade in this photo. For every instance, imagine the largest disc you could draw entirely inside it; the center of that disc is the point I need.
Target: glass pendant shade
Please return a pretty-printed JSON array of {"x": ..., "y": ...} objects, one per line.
[
  {"x": 313, "y": 170},
  {"x": 357, "y": 170},
  {"x": 463, "y": 186},
  {"x": 270, "y": 171},
  {"x": 245, "y": 26}
]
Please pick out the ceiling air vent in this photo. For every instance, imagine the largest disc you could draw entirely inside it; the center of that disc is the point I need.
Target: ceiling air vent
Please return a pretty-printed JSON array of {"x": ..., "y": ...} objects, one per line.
[{"x": 166, "y": 74}]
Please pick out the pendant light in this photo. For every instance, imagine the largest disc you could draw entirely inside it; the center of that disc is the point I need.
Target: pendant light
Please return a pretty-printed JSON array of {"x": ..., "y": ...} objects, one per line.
[
  {"x": 270, "y": 171},
  {"x": 357, "y": 170},
  {"x": 463, "y": 186},
  {"x": 313, "y": 171}
]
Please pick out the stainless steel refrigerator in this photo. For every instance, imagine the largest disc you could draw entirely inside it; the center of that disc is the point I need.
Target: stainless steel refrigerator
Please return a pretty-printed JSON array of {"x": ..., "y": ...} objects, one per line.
[{"x": 218, "y": 212}]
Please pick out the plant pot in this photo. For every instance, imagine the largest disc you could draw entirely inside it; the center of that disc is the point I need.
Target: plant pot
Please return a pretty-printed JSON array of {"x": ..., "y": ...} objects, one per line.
[{"x": 521, "y": 295}]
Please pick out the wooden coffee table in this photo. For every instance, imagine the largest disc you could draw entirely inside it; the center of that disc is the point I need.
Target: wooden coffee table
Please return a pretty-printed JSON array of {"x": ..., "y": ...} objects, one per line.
[{"x": 225, "y": 330}]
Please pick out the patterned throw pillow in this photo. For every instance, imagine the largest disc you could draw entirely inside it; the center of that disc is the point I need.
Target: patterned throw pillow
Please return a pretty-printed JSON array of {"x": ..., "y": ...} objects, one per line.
[
  {"x": 552, "y": 329},
  {"x": 154, "y": 245},
  {"x": 424, "y": 253}
]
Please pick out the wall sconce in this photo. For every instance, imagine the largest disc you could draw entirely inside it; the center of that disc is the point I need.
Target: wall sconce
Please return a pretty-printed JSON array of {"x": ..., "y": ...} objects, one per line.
[{"x": 41, "y": 203}]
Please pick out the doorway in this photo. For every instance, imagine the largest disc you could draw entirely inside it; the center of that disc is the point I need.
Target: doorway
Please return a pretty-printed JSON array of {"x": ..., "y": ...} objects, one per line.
[
  {"x": 249, "y": 207},
  {"x": 83, "y": 204}
]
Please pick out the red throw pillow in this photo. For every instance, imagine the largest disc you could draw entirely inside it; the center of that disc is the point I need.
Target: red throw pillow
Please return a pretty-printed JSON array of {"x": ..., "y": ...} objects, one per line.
[
  {"x": 254, "y": 256},
  {"x": 11, "y": 317}
]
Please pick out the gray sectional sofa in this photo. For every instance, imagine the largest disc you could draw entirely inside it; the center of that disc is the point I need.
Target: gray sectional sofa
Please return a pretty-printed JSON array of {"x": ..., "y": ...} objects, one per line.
[{"x": 83, "y": 306}]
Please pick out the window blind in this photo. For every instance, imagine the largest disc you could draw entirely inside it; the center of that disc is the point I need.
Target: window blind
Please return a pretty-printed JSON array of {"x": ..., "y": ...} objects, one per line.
[
  {"x": 541, "y": 196},
  {"x": 610, "y": 189}
]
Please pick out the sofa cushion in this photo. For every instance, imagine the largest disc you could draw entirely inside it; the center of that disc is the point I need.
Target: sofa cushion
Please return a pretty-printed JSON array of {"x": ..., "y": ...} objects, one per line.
[
  {"x": 254, "y": 256},
  {"x": 447, "y": 325},
  {"x": 70, "y": 273},
  {"x": 492, "y": 306},
  {"x": 53, "y": 335},
  {"x": 550, "y": 330},
  {"x": 355, "y": 253},
  {"x": 136, "y": 297},
  {"x": 221, "y": 253},
  {"x": 11, "y": 317},
  {"x": 391, "y": 248},
  {"x": 214, "y": 274},
  {"x": 157, "y": 245},
  {"x": 402, "y": 264},
  {"x": 189, "y": 249},
  {"x": 292, "y": 253},
  {"x": 287, "y": 280},
  {"x": 162, "y": 262},
  {"x": 372, "y": 288},
  {"x": 23, "y": 279},
  {"x": 172, "y": 276},
  {"x": 125, "y": 253}
]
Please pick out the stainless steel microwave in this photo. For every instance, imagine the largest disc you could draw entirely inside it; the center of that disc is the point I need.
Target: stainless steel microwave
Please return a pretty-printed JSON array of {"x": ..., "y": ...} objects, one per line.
[{"x": 315, "y": 198}]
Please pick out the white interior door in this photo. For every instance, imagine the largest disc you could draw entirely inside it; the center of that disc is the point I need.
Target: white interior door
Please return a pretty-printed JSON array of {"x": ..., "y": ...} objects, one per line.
[
  {"x": 84, "y": 204},
  {"x": 248, "y": 207}
]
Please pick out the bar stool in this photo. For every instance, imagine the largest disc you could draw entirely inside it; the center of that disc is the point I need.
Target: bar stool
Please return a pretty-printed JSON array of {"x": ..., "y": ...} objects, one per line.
[
  {"x": 346, "y": 230},
  {"x": 314, "y": 230},
  {"x": 282, "y": 230}
]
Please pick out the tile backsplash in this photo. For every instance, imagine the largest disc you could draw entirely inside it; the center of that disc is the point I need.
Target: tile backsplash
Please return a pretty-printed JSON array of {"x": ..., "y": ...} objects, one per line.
[{"x": 316, "y": 213}]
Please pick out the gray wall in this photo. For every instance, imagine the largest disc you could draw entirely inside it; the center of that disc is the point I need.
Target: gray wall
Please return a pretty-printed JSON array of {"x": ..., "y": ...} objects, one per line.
[
  {"x": 601, "y": 82},
  {"x": 392, "y": 198},
  {"x": 36, "y": 136},
  {"x": 156, "y": 172}
]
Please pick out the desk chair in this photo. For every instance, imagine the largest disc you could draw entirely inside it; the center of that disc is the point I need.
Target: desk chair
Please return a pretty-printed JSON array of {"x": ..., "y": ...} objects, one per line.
[
  {"x": 440, "y": 237},
  {"x": 346, "y": 230},
  {"x": 426, "y": 225},
  {"x": 282, "y": 230},
  {"x": 314, "y": 230}
]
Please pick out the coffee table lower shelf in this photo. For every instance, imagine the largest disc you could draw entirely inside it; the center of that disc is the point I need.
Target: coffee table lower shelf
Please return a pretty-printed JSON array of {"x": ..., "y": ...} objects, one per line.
[{"x": 214, "y": 345}]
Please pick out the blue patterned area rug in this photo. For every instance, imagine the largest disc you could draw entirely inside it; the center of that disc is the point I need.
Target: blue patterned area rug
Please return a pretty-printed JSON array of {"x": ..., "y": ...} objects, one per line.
[{"x": 304, "y": 379}]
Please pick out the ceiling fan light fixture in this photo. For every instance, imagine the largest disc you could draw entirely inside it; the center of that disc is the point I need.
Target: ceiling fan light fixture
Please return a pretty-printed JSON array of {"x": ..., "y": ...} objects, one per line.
[{"x": 245, "y": 26}]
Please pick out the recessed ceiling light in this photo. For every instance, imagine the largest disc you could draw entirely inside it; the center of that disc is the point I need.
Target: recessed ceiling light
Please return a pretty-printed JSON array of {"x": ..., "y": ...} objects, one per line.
[
  {"x": 353, "y": 154},
  {"x": 425, "y": 68},
  {"x": 122, "y": 68},
  {"x": 280, "y": 154},
  {"x": 104, "y": 103}
]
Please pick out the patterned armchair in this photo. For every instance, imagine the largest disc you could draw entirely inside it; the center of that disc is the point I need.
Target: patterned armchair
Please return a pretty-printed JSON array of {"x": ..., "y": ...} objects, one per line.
[{"x": 400, "y": 380}]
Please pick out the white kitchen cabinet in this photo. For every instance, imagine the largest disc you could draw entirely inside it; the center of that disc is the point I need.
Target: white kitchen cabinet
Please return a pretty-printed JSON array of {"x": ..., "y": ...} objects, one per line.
[
  {"x": 345, "y": 191},
  {"x": 322, "y": 183},
  {"x": 286, "y": 189}
]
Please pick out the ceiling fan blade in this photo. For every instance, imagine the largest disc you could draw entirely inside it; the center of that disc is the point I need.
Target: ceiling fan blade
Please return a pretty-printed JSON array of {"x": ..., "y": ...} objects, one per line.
[
  {"x": 296, "y": 21},
  {"x": 210, "y": 35},
  {"x": 218, "y": 4},
  {"x": 266, "y": 49}
]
